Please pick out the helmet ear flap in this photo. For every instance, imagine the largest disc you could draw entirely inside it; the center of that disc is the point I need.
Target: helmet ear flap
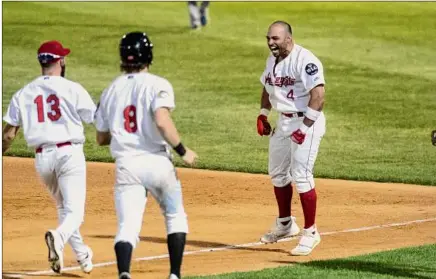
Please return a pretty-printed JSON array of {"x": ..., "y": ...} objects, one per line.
[{"x": 150, "y": 58}]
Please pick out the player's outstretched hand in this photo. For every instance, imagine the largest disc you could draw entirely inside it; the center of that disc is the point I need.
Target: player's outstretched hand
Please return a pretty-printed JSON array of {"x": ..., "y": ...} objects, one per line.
[{"x": 190, "y": 157}]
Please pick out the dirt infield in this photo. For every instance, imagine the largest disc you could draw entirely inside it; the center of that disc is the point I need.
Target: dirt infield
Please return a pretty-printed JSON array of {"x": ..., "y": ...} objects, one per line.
[{"x": 223, "y": 209}]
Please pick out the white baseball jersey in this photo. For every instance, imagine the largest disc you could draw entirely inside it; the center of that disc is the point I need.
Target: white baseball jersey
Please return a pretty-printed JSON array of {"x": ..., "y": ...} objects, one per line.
[
  {"x": 289, "y": 82},
  {"x": 50, "y": 109},
  {"x": 126, "y": 109}
]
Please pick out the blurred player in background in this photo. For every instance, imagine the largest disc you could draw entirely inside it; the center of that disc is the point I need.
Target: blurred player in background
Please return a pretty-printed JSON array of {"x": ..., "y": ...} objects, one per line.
[{"x": 199, "y": 16}]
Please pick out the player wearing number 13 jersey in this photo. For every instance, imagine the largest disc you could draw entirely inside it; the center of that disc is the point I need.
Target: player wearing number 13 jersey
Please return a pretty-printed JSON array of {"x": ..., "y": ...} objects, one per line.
[
  {"x": 50, "y": 111},
  {"x": 133, "y": 116}
]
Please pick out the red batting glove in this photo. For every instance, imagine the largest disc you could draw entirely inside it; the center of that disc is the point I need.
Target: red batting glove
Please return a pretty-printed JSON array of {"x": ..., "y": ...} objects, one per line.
[
  {"x": 298, "y": 136},
  {"x": 263, "y": 127}
]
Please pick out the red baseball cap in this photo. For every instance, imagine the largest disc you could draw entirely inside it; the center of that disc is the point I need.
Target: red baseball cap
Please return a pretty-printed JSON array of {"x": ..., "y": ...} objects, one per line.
[{"x": 51, "y": 51}]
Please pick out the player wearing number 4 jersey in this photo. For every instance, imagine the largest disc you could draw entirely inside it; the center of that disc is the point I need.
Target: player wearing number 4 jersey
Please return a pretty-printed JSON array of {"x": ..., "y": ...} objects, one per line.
[
  {"x": 133, "y": 116},
  {"x": 50, "y": 110},
  {"x": 293, "y": 84}
]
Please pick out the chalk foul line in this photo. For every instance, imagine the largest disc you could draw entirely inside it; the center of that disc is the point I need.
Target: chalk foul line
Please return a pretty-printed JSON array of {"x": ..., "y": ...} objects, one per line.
[{"x": 224, "y": 248}]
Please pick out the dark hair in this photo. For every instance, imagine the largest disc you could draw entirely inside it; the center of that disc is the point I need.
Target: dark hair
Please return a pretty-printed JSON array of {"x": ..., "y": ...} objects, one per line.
[
  {"x": 285, "y": 24},
  {"x": 47, "y": 60},
  {"x": 46, "y": 65},
  {"x": 132, "y": 67}
]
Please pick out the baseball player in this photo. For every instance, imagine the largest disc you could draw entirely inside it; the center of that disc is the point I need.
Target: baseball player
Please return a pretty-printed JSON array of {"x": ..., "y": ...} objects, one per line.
[
  {"x": 199, "y": 16},
  {"x": 50, "y": 109},
  {"x": 293, "y": 84},
  {"x": 133, "y": 116}
]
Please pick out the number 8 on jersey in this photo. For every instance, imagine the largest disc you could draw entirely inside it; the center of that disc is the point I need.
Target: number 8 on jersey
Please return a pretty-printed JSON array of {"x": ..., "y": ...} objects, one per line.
[{"x": 130, "y": 123}]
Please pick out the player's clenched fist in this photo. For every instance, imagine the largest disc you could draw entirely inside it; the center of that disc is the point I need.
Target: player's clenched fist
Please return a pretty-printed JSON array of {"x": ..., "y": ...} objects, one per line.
[
  {"x": 298, "y": 136},
  {"x": 190, "y": 157},
  {"x": 263, "y": 126}
]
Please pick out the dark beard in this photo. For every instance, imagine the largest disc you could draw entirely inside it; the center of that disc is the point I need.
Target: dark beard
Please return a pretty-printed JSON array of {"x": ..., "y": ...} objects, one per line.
[
  {"x": 284, "y": 54},
  {"x": 63, "y": 71}
]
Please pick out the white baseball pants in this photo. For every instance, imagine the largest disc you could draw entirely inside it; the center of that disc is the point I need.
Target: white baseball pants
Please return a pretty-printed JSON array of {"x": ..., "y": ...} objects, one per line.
[
  {"x": 135, "y": 177},
  {"x": 63, "y": 171},
  {"x": 290, "y": 162}
]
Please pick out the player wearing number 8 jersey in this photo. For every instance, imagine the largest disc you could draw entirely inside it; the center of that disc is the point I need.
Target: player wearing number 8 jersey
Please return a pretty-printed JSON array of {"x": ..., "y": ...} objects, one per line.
[
  {"x": 50, "y": 110},
  {"x": 293, "y": 84},
  {"x": 133, "y": 116}
]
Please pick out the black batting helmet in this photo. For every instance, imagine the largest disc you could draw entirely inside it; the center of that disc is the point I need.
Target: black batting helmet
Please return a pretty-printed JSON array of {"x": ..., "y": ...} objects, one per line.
[{"x": 136, "y": 49}]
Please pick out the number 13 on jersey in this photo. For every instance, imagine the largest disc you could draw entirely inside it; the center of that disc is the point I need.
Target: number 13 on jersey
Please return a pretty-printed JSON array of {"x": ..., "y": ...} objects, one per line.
[{"x": 54, "y": 113}]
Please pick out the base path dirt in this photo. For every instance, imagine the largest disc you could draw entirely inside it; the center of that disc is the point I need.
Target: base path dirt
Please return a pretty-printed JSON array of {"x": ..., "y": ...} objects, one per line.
[{"x": 224, "y": 208}]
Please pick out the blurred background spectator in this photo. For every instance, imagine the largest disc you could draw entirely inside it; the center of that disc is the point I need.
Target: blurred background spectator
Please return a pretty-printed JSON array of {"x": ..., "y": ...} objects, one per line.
[{"x": 199, "y": 16}]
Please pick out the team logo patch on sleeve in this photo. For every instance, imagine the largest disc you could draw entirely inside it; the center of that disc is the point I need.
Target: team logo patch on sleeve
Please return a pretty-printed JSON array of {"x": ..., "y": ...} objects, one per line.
[
  {"x": 163, "y": 94},
  {"x": 311, "y": 69}
]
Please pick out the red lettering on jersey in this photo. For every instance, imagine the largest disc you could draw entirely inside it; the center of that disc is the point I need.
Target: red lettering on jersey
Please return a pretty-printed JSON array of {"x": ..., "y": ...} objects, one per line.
[
  {"x": 130, "y": 123},
  {"x": 288, "y": 81},
  {"x": 55, "y": 112},
  {"x": 279, "y": 81}
]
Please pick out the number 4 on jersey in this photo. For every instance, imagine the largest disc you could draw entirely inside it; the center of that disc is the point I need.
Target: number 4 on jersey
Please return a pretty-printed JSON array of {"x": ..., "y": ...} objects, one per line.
[
  {"x": 290, "y": 94},
  {"x": 54, "y": 114}
]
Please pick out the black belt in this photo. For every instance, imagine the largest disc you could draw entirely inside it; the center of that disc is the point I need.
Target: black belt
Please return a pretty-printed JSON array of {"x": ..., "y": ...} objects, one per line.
[{"x": 294, "y": 114}]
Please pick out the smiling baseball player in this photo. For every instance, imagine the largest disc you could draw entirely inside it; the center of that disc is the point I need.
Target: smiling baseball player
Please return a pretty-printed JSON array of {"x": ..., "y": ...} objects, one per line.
[
  {"x": 50, "y": 110},
  {"x": 293, "y": 84}
]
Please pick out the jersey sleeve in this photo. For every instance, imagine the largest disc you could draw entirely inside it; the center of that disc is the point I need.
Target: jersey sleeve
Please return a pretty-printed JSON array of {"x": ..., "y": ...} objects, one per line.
[
  {"x": 13, "y": 115},
  {"x": 264, "y": 75},
  {"x": 101, "y": 122},
  {"x": 312, "y": 72},
  {"x": 85, "y": 106},
  {"x": 164, "y": 96}
]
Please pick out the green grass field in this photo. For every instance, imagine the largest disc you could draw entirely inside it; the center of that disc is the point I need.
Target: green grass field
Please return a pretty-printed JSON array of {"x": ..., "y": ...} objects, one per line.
[
  {"x": 379, "y": 61},
  {"x": 415, "y": 262}
]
